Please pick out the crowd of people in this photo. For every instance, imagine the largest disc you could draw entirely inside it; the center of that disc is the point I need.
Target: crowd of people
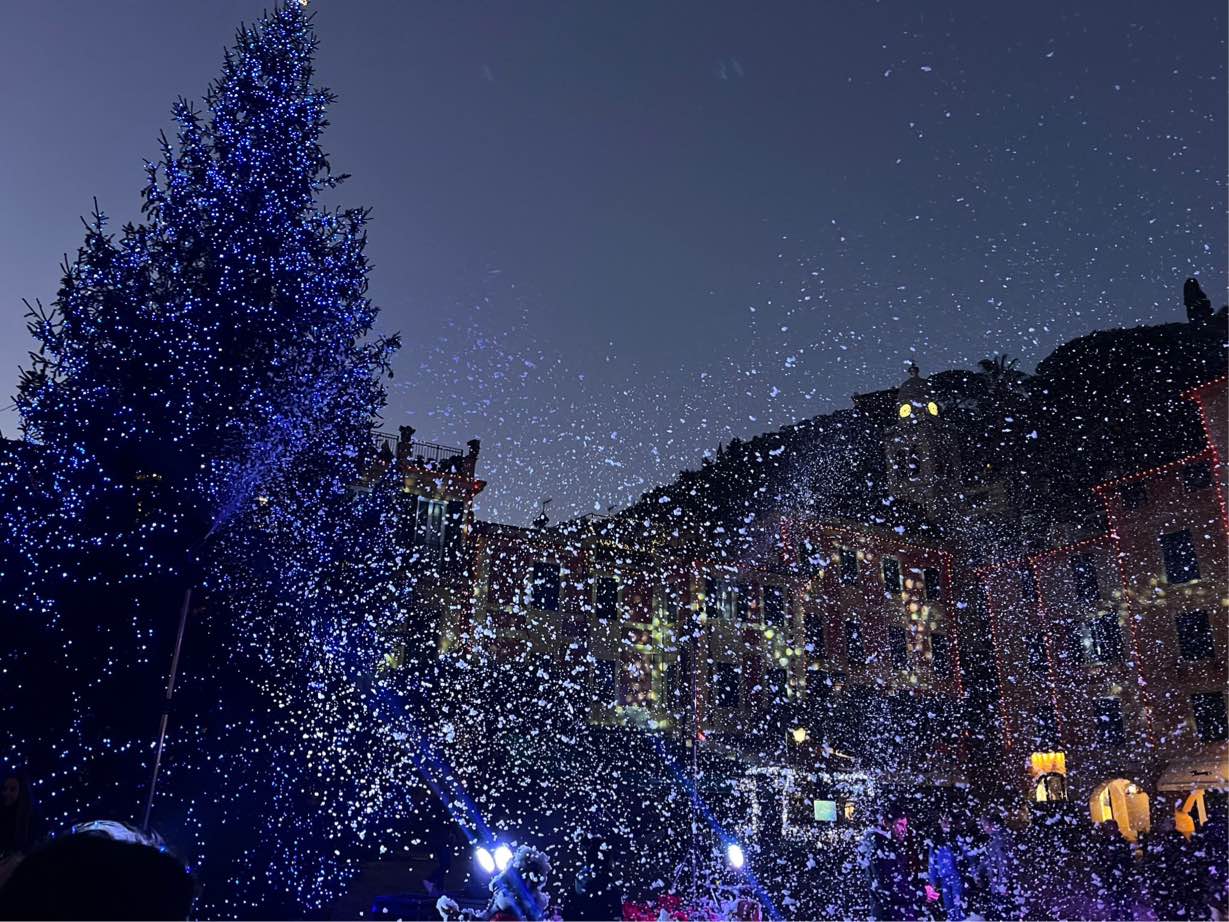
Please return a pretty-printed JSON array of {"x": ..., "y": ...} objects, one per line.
[{"x": 1051, "y": 865}]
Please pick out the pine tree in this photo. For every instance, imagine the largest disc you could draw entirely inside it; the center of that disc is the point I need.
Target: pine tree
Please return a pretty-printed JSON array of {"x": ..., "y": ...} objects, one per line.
[
  {"x": 198, "y": 409},
  {"x": 225, "y": 339}
]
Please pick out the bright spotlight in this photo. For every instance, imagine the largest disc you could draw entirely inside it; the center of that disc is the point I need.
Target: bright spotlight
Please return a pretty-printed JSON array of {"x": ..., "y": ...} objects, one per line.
[
  {"x": 485, "y": 859},
  {"x": 503, "y": 857},
  {"x": 734, "y": 854}
]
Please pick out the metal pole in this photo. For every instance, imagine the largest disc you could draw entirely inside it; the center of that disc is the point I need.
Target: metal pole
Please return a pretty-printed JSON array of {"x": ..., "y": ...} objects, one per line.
[
  {"x": 166, "y": 708},
  {"x": 695, "y": 756}
]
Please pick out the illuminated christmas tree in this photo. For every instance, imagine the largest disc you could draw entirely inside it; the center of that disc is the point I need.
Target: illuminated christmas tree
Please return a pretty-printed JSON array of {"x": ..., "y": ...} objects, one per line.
[{"x": 197, "y": 413}]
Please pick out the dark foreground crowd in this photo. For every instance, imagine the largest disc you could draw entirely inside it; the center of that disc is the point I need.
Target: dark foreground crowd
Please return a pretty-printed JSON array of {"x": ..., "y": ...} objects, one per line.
[
  {"x": 99, "y": 870},
  {"x": 1056, "y": 865}
]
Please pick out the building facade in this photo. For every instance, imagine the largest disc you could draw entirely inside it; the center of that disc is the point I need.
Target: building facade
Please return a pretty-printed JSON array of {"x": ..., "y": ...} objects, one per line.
[
  {"x": 1111, "y": 651},
  {"x": 1106, "y": 653}
]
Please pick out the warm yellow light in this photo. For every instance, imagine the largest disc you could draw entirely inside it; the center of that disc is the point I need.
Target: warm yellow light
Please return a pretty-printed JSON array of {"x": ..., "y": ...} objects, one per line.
[
  {"x": 799, "y": 734},
  {"x": 932, "y": 408},
  {"x": 1046, "y": 763},
  {"x": 769, "y": 634},
  {"x": 905, "y": 410}
]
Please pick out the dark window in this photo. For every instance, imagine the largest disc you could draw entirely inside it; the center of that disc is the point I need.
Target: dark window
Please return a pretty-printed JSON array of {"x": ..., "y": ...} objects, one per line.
[
  {"x": 941, "y": 660},
  {"x": 720, "y": 600},
  {"x": 913, "y": 463},
  {"x": 606, "y": 677},
  {"x": 1080, "y": 641},
  {"x": 1045, "y": 724},
  {"x": 678, "y": 681},
  {"x": 1111, "y": 731},
  {"x": 777, "y": 685},
  {"x": 849, "y": 566},
  {"x": 1084, "y": 576},
  {"x": 1210, "y": 718},
  {"x": 1103, "y": 639},
  {"x": 855, "y": 653},
  {"x": 1134, "y": 495},
  {"x": 1038, "y": 661},
  {"x": 725, "y": 685},
  {"x": 1197, "y": 476},
  {"x": 1195, "y": 636},
  {"x": 545, "y": 595},
  {"x": 933, "y": 584},
  {"x": 1181, "y": 566},
  {"x": 815, "y": 635},
  {"x": 810, "y": 557},
  {"x": 606, "y": 597},
  {"x": 747, "y": 600},
  {"x": 454, "y": 530},
  {"x": 898, "y": 642},
  {"x": 429, "y": 526},
  {"x": 1028, "y": 585},
  {"x": 891, "y": 574},
  {"x": 776, "y": 607}
]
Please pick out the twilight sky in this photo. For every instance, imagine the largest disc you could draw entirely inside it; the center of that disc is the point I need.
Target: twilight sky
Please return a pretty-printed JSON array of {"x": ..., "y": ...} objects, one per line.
[{"x": 614, "y": 234}]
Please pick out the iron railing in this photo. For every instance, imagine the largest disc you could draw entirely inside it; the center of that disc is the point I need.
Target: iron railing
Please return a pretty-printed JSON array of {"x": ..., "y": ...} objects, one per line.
[{"x": 429, "y": 452}]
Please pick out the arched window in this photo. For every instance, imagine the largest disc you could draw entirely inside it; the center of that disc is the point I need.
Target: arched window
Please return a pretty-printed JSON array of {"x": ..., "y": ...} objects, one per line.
[{"x": 1051, "y": 788}]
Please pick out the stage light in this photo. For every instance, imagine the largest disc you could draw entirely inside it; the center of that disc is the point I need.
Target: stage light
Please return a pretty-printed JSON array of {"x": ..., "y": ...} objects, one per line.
[
  {"x": 503, "y": 857},
  {"x": 734, "y": 854},
  {"x": 485, "y": 859}
]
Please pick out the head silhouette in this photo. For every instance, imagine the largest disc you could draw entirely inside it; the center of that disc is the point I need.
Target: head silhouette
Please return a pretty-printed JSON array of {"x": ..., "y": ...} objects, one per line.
[{"x": 98, "y": 872}]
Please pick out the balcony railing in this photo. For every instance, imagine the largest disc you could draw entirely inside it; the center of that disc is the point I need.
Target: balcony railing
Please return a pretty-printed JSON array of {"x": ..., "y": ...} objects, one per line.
[{"x": 427, "y": 452}]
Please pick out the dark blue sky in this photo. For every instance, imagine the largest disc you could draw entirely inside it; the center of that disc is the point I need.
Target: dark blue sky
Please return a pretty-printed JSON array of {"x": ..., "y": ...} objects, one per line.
[{"x": 614, "y": 234}]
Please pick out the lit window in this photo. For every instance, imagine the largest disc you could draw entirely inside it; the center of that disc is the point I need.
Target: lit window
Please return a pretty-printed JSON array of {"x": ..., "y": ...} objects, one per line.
[
  {"x": 1050, "y": 788},
  {"x": 932, "y": 408},
  {"x": 905, "y": 410}
]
